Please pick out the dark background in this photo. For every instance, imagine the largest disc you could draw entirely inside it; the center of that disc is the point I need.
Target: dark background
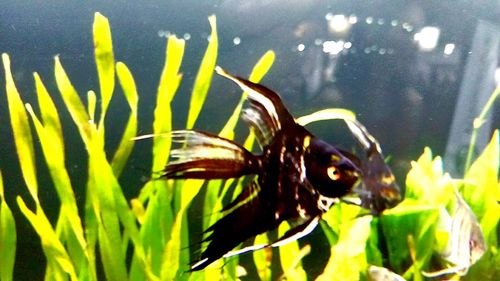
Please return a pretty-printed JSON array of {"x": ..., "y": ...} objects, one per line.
[{"x": 405, "y": 96}]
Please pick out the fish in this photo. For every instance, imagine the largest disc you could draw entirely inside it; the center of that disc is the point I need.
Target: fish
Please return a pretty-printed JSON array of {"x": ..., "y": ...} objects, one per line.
[
  {"x": 466, "y": 243},
  {"x": 297, "y": 176},
  {"x": 378, "y": 189}
]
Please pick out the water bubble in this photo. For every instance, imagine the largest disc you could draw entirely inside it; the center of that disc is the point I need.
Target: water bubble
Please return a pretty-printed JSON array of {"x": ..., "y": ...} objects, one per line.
[
  {"x": 236, "y": 40},
  {"x": 382, "y": 51},
  {"x": 329, "y": 16},
  {"x": 347, "y": 45},
  {"x": 369, "y": 20},
  {"x": 380, "y": 21},
  {"x": 318, "y": 42},
  {"x": 367, "y": 50},
  {"x": 394, "y": 22},
  {"x": 301, "y": 47},
  {"x": 187, "y": 36}
]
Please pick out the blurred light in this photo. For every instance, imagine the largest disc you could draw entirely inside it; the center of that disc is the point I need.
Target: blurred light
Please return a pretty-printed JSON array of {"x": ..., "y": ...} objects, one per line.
[
  {"x": 406, "y": 26},
  {"x": 338, "y": 23},
  {"x": 318, "y": 41},
  {"x": 328, "y": 16},
  {"x": 163, "y": 33},
  {"x": 301, "y": 47},
  {"x": 449, "y": 48},
  {"x": 353, "y": 19},
  {"x": 236, "y": 40},
  {"x": 497, "y": 76},
  {"x": 332, "y": 47},
  {"x": 427, "y": 38},
  {"x": 369, "y": 20}
]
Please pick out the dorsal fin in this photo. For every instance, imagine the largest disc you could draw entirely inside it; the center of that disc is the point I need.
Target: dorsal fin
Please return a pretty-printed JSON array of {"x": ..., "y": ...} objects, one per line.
[{"x": 266, "y": 114}]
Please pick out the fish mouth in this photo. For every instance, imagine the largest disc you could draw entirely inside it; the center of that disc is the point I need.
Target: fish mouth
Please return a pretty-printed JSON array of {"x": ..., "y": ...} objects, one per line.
[{"x": 376, "y": 200}]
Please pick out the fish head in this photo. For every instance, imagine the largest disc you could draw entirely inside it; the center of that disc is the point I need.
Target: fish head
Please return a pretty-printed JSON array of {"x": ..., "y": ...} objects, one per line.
[
  {"x": 378, "y": 192},
  {"x": 330, "y": 172}
]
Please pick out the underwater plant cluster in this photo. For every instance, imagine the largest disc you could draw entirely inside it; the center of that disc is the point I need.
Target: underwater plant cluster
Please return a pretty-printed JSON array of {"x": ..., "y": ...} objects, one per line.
[{"x": 444, "y": 228}]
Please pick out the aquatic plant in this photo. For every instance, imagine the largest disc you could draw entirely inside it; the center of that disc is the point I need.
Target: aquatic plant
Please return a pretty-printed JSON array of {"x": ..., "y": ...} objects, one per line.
[{"x": 406, "y": 239}]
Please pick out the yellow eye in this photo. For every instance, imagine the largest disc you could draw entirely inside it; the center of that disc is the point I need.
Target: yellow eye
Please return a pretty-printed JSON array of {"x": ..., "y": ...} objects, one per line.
[{"x": 333, "y": 173}]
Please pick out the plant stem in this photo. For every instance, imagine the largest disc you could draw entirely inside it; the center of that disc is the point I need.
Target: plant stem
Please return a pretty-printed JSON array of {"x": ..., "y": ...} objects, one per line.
[{"x": 478, "y": 122}]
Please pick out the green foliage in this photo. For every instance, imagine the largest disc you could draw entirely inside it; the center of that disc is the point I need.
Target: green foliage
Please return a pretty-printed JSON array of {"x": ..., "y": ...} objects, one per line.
[{"x": 406, "y": 239}]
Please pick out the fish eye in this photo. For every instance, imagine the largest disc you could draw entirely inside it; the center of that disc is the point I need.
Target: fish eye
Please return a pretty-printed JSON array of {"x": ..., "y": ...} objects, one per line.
[{"x": 333, "y": 173}]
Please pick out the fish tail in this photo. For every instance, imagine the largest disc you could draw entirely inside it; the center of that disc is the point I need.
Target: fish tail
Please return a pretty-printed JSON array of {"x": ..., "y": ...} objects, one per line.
[{"x": 206, "y": 156}]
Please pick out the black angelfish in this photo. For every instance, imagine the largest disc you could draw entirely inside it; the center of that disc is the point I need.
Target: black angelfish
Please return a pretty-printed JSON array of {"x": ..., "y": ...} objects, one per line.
[{"x": 298, "y": 176}]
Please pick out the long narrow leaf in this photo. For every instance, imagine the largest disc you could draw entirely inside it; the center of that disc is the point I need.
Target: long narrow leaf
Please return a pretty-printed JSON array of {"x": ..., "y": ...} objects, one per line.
[
  {"x": 72, "y": 101},
  {"x": 104, "y": 58},
  {"x": 130, "y": 92},
  {"x": 169, "y": 82},
  {"x": 54, "y": 156},
  {"x": 8, "y": 237},
  {"x": 204, "y": 76},
  {"x": 21, "y": 130},
  {"x": 53, "y": 248}
]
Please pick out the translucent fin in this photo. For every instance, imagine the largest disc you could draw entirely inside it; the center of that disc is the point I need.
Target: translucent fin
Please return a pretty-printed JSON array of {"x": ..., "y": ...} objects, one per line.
[{"x": 207, "y": 156}]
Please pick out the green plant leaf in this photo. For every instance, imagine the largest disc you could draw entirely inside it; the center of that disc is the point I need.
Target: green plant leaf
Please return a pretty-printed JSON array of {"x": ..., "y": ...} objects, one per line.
[
  {"x": 204, "y": 76},
  {"x": 326, "y": 114},
  {"x": 262, "y": 258},
  {"x": 53, "y": 248},
  {"x": 126, "y": 144},
  {"x": 54, "y": 157},
  {"x": 105, "y": 62},
  {"x": 73, "y": 102},
  {"x": 169, "y": 82},
  {"x": 21, "y": 130},
  {"x": 483, "y": 176},
  {"x": 290, "y": 256},
  {"x": 348, "y": 258},
  {"x": 8, "y": 237}
]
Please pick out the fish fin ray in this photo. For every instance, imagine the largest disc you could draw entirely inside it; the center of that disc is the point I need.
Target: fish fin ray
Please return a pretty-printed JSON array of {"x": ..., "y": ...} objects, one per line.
[
  {"x": 264, "y": 102},
  {"x": 248, "y": 193},
  {"x": 244, "y": 222},
  {"x": 206, "y": 156}
]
